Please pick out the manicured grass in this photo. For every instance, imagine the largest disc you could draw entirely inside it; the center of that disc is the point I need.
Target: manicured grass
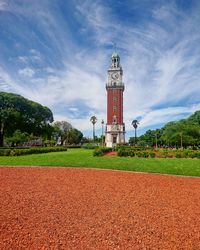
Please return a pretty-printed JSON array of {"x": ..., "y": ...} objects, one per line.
[{"x": 84, "y": 158}]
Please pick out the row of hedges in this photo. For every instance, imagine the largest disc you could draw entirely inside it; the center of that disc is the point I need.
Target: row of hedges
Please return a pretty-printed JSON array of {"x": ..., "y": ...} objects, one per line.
[
  {"x": 148, "y": 152},
  {"x": 27, "y": 151},
  {"x": 188, "y": 154},
  {"x": 122, "y": 147},
  {"x": 89, "y": 146},
  {"x": 101, "y": 151},
  {"x": 159, "y": 153},
  {"x": 132, "y": 153}
]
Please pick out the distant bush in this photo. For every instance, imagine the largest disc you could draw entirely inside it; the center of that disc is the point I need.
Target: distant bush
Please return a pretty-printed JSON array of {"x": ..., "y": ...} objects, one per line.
[
  {"x": 73, "y": 146},
  {"x": 27, "y": 151},
  {"x": 89, "y": 146}
]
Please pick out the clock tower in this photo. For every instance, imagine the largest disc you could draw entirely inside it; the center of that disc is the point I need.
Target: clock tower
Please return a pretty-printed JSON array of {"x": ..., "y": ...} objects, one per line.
[{"x": 115, "y": 127}]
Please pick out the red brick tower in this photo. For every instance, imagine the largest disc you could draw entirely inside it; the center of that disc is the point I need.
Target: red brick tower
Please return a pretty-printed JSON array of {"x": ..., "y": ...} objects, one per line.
[{"x": 115, "y": 127}]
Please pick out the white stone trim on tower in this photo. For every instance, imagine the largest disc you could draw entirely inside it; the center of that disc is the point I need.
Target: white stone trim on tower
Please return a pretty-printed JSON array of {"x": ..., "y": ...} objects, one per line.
[{"x": 117, "y": 131}]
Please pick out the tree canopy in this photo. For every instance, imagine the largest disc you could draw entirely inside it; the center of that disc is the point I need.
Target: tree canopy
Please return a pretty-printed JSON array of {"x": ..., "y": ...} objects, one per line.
[
  {"x": 64, "y": 131},
  {"x": 183, "y": 133},
  {"x": 17, "y": 112}
]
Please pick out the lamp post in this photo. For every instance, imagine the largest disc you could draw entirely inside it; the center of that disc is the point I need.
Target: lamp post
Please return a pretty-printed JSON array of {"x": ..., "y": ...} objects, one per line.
[{"x": 102, "y": 124}]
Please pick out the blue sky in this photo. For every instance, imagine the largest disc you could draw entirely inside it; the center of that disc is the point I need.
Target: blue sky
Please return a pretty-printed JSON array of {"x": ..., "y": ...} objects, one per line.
[{"x": 57, "y": 52}]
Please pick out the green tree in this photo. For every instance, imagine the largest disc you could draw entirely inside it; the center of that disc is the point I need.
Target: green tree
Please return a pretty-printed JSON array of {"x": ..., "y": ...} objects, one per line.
[
  {"x": 150, "y": 138},
  {"x": 17, "y": 138},
  {"x": 135, "y": 125},
  {"x": 61, "y": 130},
  {"x": 93, "y": 120},
  {"x": 17, "y": 112},
  {"x": 74, "y": 136},
  {"x": 180, "y": 133}
]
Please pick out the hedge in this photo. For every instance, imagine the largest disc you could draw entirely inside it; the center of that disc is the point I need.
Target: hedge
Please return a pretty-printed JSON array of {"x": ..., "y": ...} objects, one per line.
[
  {"x": 101, "y": 151},
  {"x": 89, "y": 146},
  {"x": 27, "y": 151},
  {"x": 158, "y": 153}
]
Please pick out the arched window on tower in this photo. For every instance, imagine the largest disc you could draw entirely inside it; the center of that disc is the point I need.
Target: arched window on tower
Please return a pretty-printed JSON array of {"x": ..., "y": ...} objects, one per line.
[
  {"x": 114, "y": 99},
  {"x": 114, "y": 119}
]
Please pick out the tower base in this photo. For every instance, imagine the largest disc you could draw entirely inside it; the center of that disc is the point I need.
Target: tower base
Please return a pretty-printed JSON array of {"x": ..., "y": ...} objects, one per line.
[{"x": 115, "y": 135}]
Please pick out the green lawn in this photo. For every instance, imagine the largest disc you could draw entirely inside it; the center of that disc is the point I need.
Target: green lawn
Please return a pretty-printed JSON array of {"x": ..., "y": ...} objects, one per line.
[{"x": 84, "y": 158}]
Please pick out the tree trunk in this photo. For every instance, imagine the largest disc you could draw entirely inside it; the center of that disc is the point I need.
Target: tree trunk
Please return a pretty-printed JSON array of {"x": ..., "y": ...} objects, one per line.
[
  {"x": 156, "y": 141},
  {"x": 102, "y": 136},
  {"x": 135, "y": 136},
  {"x": 181, "y": 135},
  {"x": 94, "y": 132},
  {"x": 1, "y": 134}
]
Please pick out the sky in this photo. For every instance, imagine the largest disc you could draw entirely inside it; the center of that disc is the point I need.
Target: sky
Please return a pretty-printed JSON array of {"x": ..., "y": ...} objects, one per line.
[{"x": 57, "y": 53}]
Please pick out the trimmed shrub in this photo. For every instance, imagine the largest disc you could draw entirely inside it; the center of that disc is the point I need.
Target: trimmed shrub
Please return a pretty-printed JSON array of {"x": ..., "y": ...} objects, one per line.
[
  {"x": 128, "y": 151},
  {"x": 131, "y": 153},
  {"x": 152, "y": 154},
  {"x": 98, "y": 152},
  {"x": 73, "y": 146},
  {"x": 17, "y": 151},
  {"x": 145, "y": 154},
  {"x": 101, "y": 151},
  {"x": 122, "y": 152},
  {"x": 139, "y": 154},
  {"x": 179, "y": 155},
  {"x": 165, "y": 154},
  {"x": 89, "y": 146},
  {"x": 5, "y": 152}
]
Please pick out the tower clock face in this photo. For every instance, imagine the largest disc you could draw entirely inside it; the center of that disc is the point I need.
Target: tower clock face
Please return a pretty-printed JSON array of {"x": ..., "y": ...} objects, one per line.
[{"x": 115, "y": 76}]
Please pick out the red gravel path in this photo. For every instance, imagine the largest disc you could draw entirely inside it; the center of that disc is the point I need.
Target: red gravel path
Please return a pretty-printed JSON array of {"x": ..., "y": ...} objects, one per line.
[{"x": 60, "y": 208}]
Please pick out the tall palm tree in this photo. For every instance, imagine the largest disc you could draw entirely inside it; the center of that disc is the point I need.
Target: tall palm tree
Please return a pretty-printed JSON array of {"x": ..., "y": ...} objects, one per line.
[
  {"x": 93, "y": 120},
  {"x": 135, "y": 125},
  {"x": 102, "y": 125}
]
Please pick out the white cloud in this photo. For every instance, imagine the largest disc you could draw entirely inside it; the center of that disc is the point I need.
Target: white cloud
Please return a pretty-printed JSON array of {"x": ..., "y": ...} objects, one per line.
[
  {"x": 50, "y": 70},
  {"x": 73, "y": 109},
  {"x": 3, "y": 5},
  {"x": 35, "y": 55},
  {"x": 26, "y": 72},
  {"x": 23, "y": 59},
  {"x": 98, "y": 18},
  {"x": 10, "y": 85},
  {"x": 160, "y": 62},
  {"x": 164, "y": 115}
]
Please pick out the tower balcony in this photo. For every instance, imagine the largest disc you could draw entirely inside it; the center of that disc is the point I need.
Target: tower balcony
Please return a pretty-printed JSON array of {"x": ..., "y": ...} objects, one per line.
[{"x": 115, "y": 86}]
